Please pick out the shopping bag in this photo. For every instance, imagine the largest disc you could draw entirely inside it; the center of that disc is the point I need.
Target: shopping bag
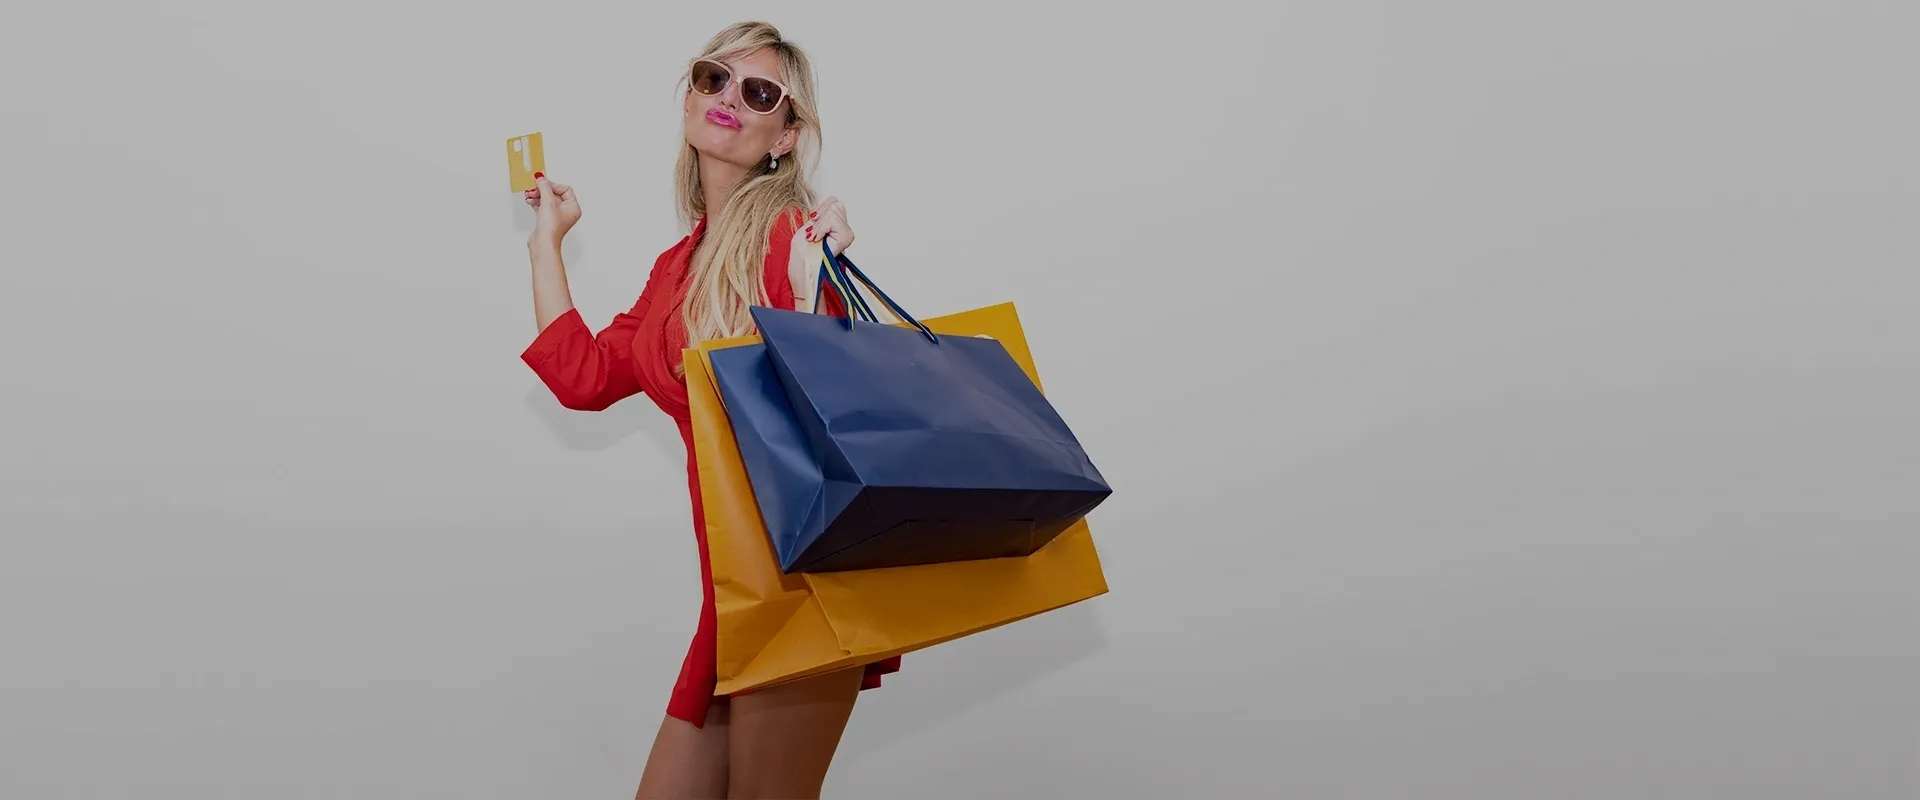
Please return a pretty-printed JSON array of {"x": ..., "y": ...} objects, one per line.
[
  {"x": 775, "y": 627},
  {"x": 874, "y": 445}
]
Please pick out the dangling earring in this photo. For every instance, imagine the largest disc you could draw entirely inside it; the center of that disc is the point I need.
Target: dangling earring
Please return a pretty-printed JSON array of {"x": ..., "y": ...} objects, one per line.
[{"x": 774, "y": 164}]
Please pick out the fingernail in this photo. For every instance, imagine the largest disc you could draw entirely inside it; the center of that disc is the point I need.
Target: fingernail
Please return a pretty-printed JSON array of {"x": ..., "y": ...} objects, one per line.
[
  {"x": 539, "y": 175},
  {"x": 809, "y": 231},
  {"x": 814, "y": 215}
]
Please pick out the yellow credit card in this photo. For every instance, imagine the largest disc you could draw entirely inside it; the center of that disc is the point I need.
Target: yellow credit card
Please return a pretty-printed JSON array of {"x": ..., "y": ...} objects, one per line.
[{"x": 524, "y": 158}]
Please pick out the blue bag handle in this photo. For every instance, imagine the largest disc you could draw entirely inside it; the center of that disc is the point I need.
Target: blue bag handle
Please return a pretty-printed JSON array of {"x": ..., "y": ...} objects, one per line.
[
  {"x": 844, "y": 265},
  {"x": 857, "y": 307},
  {"x": 832, "y": 274},
  {"x": 836, "y": 269}
]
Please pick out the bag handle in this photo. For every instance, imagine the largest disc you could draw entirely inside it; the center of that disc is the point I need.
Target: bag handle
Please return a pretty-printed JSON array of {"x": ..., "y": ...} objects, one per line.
[
  {"x": 856, "y": 304},
  {"x": 844, "y": 266},
  {"x": 837, "y": 269}
]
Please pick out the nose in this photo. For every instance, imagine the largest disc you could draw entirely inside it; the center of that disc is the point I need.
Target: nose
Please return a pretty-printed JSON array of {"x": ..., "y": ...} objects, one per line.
[{"x": 730, "y": 96}]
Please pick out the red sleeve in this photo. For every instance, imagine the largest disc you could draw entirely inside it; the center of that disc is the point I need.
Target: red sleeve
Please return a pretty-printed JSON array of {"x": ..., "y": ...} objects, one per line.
[
  {"x": 779, "y": 283},
  {"x": 588, "y": 370}
]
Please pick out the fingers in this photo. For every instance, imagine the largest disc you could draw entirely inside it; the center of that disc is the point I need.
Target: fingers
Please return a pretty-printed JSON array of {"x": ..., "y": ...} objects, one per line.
[
  {"x": 824, "y": 218},
  {"x": 828, "y": 222},
  {"x": 828, "y": 206},
  {"x": 545, "y": 189}
]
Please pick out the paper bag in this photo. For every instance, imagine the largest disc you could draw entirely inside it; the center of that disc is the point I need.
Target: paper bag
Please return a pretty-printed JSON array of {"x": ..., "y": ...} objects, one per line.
[
  {"x": 838, "y": 422},
  {"x": 775, "y": 627}
]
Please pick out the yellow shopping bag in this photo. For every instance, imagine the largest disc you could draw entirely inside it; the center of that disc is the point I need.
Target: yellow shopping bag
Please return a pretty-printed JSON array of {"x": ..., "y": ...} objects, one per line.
[{"x": 774, "y": 628}]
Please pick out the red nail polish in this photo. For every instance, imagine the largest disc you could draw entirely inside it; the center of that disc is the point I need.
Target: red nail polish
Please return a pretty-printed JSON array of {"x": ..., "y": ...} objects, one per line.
[
  {"x": 814, "y": 215},
  {"x": 539, "y": 175}
]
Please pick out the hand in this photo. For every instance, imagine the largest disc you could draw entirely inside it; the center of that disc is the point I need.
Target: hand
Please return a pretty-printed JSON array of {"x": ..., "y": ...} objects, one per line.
[
  {"x": 556, "y": 208},
  {"x": 829, "y": 221}
]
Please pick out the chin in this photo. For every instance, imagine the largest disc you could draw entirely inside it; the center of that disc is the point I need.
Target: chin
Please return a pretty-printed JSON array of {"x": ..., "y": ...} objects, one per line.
[{"x": 719, "y": 151}]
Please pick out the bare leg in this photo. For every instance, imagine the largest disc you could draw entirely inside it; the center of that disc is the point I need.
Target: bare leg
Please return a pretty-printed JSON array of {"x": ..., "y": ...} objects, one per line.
[
  {"x": 783, "y": 737},
  {"x": 687, "y": 762}
]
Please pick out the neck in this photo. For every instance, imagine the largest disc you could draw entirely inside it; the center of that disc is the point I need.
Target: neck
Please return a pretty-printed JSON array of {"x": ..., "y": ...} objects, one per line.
[{"x": 717, "y": 179}]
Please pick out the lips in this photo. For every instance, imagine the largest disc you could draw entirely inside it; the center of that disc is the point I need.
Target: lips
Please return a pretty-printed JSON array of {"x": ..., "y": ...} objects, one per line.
[{"x": 720, "y": 117}]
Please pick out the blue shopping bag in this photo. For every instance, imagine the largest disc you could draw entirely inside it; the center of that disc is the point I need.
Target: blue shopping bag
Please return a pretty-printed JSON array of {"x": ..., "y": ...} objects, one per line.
[{"x": 873, "y": 445}]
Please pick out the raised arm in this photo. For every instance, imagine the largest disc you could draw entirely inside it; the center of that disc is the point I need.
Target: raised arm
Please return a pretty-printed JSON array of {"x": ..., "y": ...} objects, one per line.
[
  {"x": 556, "y": 208},
  {"x": 586, "y": 370}
]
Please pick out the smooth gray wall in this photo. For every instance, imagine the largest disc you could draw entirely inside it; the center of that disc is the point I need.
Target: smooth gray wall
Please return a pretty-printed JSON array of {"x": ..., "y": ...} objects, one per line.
[{"x": 1505, "y": 400}]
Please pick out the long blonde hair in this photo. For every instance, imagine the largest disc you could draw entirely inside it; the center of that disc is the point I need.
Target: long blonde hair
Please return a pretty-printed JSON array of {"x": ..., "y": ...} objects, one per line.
[{"x": 728, "y": 274}]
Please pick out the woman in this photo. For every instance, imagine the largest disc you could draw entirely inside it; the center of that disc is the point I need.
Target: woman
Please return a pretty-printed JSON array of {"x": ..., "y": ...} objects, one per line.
[{"x": 751, "y": 135}]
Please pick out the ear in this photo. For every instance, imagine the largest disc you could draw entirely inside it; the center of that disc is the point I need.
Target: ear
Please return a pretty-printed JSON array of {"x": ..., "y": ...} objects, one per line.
[{"x": 784, "y": 144}]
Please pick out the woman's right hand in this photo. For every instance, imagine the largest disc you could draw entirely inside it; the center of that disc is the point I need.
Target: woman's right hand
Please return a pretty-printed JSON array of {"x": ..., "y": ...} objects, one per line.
[{"x": 555, "y": 207}]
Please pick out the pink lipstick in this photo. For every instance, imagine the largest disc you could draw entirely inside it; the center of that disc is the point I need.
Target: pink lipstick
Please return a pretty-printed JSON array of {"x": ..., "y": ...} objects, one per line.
[{"x": 721, "y": 117}]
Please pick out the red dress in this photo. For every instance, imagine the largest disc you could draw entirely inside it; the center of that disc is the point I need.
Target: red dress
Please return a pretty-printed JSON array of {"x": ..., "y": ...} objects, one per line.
[{"x": 636, "y": 354}]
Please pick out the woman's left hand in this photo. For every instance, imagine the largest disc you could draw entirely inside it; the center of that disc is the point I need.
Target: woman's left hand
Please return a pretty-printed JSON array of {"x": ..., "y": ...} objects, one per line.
[{"x": 829, "y": 221}]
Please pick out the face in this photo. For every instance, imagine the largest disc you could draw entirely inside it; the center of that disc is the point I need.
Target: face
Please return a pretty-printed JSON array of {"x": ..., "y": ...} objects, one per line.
[{"x": 726, "y": 126}]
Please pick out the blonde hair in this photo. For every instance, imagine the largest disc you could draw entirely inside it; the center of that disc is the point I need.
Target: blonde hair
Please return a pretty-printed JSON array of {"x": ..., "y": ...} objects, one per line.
[{"x": 728, "y": 274}]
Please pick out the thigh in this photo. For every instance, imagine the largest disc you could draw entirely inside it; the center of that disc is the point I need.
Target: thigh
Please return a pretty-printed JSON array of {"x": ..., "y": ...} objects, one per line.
[
  {"x": 688, "y": 762},
  {"x": 782, "y": 738}
]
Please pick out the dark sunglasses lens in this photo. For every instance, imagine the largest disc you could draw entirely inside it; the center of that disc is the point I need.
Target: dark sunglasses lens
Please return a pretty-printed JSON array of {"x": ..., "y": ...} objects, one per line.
[
  {"x": 708, "y": 78},
  {"x": 760, "y": 94}
]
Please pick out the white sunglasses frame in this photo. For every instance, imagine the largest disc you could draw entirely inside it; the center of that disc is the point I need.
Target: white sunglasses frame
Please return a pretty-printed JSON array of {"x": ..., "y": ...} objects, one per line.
[{"x": 733, "y": 77}]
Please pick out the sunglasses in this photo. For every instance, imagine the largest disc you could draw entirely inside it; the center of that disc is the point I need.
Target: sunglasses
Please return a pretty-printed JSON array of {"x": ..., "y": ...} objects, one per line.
[{"x": 761, "y": 95}]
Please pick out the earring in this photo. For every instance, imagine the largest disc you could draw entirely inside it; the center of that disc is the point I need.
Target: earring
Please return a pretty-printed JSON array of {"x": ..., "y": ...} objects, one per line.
[{"x": 774, "y": 164}]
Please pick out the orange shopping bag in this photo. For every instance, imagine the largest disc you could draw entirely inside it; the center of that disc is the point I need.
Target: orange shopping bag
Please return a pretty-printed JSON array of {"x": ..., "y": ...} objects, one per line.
[{"x": 775, "y": 627}]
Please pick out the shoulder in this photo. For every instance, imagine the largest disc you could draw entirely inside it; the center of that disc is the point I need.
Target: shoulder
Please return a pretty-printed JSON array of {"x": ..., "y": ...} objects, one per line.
[
  {"x": 788, "y": 224},
  {"x": 668, "y": 255},
  {"x": 668, "y": 258},
  {"x": 663, "y": 276}
]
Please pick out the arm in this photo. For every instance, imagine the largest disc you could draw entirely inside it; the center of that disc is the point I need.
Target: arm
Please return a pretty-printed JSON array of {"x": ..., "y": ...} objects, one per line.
[
  {"x": 585, "y": 370},
  {"x": 551, "y": 296},
  {"x": 556, "y": 208}
]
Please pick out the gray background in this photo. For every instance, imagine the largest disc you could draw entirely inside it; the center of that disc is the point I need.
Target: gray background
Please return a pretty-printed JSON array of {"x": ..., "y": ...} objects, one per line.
[{"x": 1505, "y": 400}]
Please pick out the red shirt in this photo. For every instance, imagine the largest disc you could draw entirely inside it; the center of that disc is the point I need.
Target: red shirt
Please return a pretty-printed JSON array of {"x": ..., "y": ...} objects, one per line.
[{"x": 636, "y": 353}]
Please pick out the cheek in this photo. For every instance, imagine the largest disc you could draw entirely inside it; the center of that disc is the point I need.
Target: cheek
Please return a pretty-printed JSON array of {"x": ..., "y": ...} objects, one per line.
[{"x": 764, "y": 131}]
